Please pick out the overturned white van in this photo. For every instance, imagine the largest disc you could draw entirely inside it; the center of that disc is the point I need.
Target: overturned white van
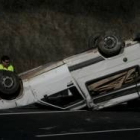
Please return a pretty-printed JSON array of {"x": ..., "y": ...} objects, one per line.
[{"x": 104, "y": 76}]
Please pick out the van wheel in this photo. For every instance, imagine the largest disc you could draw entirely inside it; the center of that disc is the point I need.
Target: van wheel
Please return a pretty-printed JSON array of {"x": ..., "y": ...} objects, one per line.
[
  {"x": 10, "y": 85},
  {"x": 110, "y": 44},
  {"x": 93, "y": 40}
]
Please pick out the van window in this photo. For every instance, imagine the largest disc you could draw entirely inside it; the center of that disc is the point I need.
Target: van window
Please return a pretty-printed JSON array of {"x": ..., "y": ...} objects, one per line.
[
  {"x": 65, "y": 97},
  {"x": 113, "y": 82}
]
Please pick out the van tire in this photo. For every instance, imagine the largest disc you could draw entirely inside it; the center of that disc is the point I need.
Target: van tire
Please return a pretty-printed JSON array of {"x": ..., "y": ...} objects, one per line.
[
  {"x": 110, "y": 44},
  {"x": 10, "y": 85},
  {"x": 93, "y": 40}
]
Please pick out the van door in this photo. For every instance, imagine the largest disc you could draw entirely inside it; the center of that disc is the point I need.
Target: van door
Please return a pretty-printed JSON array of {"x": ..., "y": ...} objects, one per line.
[
  {"x": 69, "y": 98},
  {"x": 115, "y": 88}
]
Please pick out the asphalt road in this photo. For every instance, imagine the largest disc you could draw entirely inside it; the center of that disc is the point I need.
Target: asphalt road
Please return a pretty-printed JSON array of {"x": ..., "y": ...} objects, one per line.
[{"x": 32, "y": 124}]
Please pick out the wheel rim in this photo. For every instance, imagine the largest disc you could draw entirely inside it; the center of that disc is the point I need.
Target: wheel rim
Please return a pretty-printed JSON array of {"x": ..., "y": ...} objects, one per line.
[
  {"x": 110, "y": 42},
  {"x": 7, "y": 82}
]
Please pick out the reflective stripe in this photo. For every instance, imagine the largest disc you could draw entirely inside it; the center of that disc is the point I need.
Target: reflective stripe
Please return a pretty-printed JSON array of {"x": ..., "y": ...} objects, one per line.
[{"x": 10, "y": 68}]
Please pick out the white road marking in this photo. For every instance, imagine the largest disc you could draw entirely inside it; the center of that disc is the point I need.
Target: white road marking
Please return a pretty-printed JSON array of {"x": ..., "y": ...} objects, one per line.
[
  {"x": 39, "y": 112},
  {"x": 48, "y": 128},
  {"x": 89, "y": 132}
]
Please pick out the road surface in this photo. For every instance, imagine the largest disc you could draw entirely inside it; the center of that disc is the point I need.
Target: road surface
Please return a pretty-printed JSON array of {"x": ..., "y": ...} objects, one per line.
[{"x": 32, "y": 124}]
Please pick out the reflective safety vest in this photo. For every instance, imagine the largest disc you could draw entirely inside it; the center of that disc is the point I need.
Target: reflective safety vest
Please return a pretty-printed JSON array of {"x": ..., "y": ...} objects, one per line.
[{"x": 10, "y": 68}]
